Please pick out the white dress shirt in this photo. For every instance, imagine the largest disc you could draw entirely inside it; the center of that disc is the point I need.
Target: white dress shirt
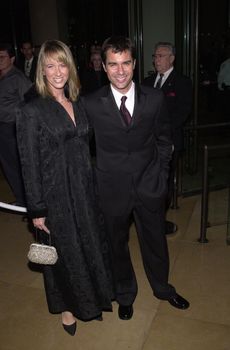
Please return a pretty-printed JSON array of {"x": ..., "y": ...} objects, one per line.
[
  {"x": 129, "y": 103},
  {"x": 164, "y": 78},
  {"x": 28, "y": 64}
]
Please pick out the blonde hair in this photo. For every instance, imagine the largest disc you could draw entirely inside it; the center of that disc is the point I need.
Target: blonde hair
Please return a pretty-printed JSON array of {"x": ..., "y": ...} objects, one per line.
[{"x": 60, "y": 52}]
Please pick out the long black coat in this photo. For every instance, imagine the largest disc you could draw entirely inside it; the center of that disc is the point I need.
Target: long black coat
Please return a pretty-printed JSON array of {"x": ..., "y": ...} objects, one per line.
[
  {"x": 59, "y": 186},
  {"x": 138, "y": 154},
  {"x": 178, "y": 92}
]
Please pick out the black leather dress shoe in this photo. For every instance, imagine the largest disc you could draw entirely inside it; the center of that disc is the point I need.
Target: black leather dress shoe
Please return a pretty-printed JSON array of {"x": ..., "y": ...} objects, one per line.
[
  {"x": 179, "y": 302},
  {"x": 125, "y": 312},
  {"x": 170, "y": 227}
]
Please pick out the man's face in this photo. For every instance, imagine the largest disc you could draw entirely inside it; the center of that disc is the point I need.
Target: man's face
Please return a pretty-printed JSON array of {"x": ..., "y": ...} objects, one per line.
[
  {"x": 119, "y": 68},
  {"x": 163, "y": 59},
  {"x": 6, "y": 62},
  {"x": 27, "y": 50}
]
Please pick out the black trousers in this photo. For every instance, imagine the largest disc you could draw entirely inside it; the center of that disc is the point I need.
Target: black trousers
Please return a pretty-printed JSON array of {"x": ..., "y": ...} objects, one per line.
[
  {"x": 153, "y": 246},
  {"x": 9, "y": 159}
]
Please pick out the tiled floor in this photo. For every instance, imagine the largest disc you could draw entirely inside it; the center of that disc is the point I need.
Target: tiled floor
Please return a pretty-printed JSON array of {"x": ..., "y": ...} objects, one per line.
[{"x": 199, "y": 271}]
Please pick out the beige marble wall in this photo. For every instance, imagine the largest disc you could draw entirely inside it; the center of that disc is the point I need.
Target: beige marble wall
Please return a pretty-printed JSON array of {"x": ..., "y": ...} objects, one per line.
[{"x": 48, "y": 20}]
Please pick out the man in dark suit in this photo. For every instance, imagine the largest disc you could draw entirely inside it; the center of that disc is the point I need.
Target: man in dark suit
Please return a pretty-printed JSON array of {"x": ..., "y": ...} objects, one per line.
[
  {"x": 13, "y": 86},
  {"x": 133, "y": 149},
  {"x": 28, "y": 63},
  {"x": 177, "y": 89}
]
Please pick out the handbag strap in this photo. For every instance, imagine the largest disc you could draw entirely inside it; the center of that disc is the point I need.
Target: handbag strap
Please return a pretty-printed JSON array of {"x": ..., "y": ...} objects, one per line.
[{"x": 36, "y": 235}]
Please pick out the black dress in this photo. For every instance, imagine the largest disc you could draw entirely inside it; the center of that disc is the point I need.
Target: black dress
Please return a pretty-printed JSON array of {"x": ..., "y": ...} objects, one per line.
[{"x": 59, "y": 185}]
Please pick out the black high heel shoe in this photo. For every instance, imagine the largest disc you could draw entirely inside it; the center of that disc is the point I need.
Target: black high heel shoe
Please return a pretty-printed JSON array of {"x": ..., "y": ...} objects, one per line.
[{"x": 70, "y": 329}]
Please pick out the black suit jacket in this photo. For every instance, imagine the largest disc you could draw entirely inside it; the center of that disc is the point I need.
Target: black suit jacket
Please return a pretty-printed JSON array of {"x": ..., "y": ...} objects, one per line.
[
  {"x": 21, "y": 66},
  {"x": 178, "y": 92},
  {"x": 137, "y": 155}
]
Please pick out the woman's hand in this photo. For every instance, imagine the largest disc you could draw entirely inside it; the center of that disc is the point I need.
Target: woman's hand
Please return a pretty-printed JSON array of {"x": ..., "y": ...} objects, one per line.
[{"x": 40, "y": 224}]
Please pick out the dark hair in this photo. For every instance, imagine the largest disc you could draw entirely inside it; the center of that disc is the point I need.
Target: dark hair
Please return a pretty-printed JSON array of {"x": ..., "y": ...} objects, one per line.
[
  {"x": 8, "y": 48},
  {"x": 117, "y": 44},
  {"x": 26, "y": 42},
  {"x": 169, "y": 46}
]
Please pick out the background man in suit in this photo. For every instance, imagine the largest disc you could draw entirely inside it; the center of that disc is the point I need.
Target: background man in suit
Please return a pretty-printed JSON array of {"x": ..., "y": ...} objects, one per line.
[
  {"x": 13, "y": 85},
  {"x": 223, "y": 79},
  {"x": 28, "y": 63},
  {"x": 133, "y": 148},
  {"x": 177, "y": 89}
]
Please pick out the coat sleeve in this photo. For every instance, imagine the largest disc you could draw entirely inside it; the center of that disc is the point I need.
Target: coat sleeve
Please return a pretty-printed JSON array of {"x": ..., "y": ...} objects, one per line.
[
  {"x": 183, "y": 105},
  {"x": 82, "y": 103},
  {"x": 23, "y": 85},
  {"x": 28, "y": 138}
]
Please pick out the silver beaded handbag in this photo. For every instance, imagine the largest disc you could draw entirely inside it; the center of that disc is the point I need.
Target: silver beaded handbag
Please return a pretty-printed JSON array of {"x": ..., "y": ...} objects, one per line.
[{"x": 42, "y": 254}]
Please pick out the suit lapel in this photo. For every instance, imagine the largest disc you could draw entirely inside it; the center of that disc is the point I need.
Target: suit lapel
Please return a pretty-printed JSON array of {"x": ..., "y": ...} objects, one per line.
[
  {"x": 139, "y": 103},
  {"x": 111, "y": 109},
  {"x": 168, "y": 82}
]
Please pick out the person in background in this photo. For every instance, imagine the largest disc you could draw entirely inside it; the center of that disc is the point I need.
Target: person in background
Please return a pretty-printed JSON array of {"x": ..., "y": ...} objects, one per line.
[
  {"x": 28, "y": 63},
  {"x": 177, "y": 89},
  {"x": 52, "y": 133},
  {"x": 223, "y": 80},
  {"x": 94, "y": 77},
  {"x": 13, "y": 86},
  {"x": 133, "y": 150}
]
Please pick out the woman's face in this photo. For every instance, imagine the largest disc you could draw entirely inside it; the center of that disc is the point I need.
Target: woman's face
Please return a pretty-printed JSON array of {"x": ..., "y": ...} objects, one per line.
[
  {"x": 96, "y": 61},
  {"x": 56, "y": 73}
]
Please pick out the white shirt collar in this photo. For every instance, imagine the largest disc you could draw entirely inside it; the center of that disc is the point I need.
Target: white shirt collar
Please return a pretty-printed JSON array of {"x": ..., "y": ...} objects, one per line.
[
  {"x": 130, "y": 97},
  {"x": 165, "y": 77},
  {"x": 30, "y": 60}
]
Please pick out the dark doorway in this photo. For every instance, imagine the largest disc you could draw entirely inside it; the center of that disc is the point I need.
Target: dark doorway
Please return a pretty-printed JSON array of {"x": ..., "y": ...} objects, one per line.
[
  {"x": 95, "y": 20},
  {"x": 15, "y": 22},
  {"x": 92, "y": 21},
  {"x": 208, "y": 36},
  {"x": 214, "y": 48}
]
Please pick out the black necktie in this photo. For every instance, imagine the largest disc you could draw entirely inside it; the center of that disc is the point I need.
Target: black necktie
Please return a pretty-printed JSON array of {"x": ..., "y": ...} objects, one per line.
[
  {"x": 159, "y": 81},
  {"x": 27, "y": 70},
  {"x": 124, "y": 111}
]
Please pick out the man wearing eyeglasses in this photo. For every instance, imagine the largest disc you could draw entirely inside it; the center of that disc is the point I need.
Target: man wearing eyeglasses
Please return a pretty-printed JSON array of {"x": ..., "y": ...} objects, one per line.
[
  {"x": 177, "y": 89},
  {"x": 13, "y": 85}
]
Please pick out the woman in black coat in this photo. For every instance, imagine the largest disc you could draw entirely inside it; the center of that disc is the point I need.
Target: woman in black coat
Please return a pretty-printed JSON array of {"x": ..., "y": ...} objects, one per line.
[{"x": 52, "y": 133}]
